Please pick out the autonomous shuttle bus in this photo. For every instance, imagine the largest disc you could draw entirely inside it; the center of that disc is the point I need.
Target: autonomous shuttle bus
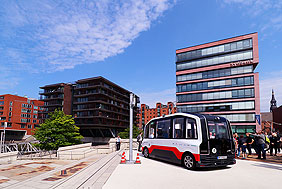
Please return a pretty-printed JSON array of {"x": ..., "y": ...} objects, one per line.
[{"x": 193, "y": 140}]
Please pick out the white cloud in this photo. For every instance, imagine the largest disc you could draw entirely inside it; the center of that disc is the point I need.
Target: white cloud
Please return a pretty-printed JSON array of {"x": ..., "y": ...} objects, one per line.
[
  {"x": 267, "y": 13},
  {"x": 266, "y": 86},
  {"x": 54, "y": 35},
  {"x": 151, "y": 98}
]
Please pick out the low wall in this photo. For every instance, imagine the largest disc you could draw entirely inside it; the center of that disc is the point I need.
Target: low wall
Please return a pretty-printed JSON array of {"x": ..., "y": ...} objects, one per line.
[
  {"x": 75, "y": 152},
  {"x": 8, "y": 157}
]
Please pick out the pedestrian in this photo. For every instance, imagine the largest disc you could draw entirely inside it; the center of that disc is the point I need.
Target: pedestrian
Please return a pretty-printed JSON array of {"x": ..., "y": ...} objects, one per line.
[
  {"x": 235, "y": 139},
  {"x": 139, "y": 140},
  {"x": 273, "y": 143},
  {"x": 118, "y": 143},
  {"x": 242, "y": 146},
  {"x": 249, "y": 141},
  {"x": 261, "y": 144}
]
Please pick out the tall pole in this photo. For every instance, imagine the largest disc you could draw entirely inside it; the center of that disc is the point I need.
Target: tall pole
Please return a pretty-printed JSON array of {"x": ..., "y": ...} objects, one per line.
[
  {"x": 131, "y": 126},
  {"x": 5, "y": 125}
]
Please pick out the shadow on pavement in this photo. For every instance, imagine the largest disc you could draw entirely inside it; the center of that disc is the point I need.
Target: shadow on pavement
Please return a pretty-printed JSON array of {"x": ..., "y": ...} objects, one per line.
[
  {"x": 269, "y": 166},
  {"x": 202, "y": 169}
]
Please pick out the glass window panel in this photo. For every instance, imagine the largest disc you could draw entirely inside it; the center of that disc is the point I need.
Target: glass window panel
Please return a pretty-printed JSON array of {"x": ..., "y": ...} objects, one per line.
[
  {"x": 188, "y": 77},
  {"x": 248, "y": 69},
  {"x": 205, "y": 96},
  {"x": 209, "y": 51},
  {"x": 199, "y": 86},
  {"x": 210, "y": 61},
  {"x": 210, "y": 84},
  {"x": 235, "y": 117},
  {"x": 227, "y": 58},
  {"x": 233, "y": 46},
  {"x": 221, "y": 48},
  {"x": 216, "y": 95},
  {"x": 228, "y": 82},
  {"x": 222, "y": 95},
  {"x": 234, "y": 71},
  {"x": 247, "y": 80},
  {"x": 251, "y": 42},
  {"x": 204, "y": 52},
  {"x": 210, "y": 96},
  {"x": 221, "y": 73},
  {"x": 221, "y": 59},
  {"x": 248, "y": 92},
  {"x": 215, "y": 60},
  {"x": 240, "y": 81},
  {"x": 233, "y": 57},
  {"x": 228, "y": 94},
  {"x": 241, "y": 93},
  {"x": 240, "y": 70},
  {"x": 240, "y": 56},
  {"x": 199, "y": 75},
  {"x": 227, "y": 47},
  {"x": 246, "y": 43},
  {"x": 205, "y": 85},
  {"x": 239, "y": 44},
  {"x": 215, "y": 50},
  {"x": 204, "y": 62},
  {"x": 235, "y": 106}
]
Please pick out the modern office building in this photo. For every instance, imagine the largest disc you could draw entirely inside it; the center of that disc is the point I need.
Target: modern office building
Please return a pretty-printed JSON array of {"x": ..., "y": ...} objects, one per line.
[
  {"x": 145, "y": 113},
  {"x": 100, "y": 107},
  {"x": 218, "y": 78},
  {"x": 56, "y": 96},
  {"x": 21, "y": 115}
]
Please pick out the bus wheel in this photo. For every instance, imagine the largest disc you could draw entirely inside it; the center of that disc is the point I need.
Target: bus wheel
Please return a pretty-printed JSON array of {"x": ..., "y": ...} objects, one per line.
[
  {"x": 189, "y": 162},
  {"x": 146, "y": 152}
]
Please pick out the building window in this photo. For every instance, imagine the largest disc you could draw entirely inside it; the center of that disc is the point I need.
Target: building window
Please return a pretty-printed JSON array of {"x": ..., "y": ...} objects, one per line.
[
  {"x": 1, "y": 102},
  {"x": 11, "y": 103},
  {"x": 9, "y": 124},
  {"x": 10, "y": 109},
  {"x": 9, "y": 119},
  {"x": 22, "y": 126},
  {"x": 35, "y": 111},
  {"x": 29, "y": 126},
  {"x": 2, "y": 97},
  {"x": 35, "y": 116},
  {"x": 34, "y": 121},
  {"x": 10, "y": 113}
]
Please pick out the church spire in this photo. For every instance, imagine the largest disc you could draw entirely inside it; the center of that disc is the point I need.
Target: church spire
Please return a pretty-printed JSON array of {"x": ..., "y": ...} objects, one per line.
[{"x": 272, "y": 102}]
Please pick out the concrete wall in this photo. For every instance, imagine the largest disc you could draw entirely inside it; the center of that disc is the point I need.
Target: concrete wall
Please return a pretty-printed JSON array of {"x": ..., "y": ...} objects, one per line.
[{"x": 8, "y": 157}]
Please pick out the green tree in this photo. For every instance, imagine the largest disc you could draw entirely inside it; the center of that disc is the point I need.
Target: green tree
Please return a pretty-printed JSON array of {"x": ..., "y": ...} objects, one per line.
[
  {"x": 57, "y": 131},
  {"x": 125, "y": 133}
]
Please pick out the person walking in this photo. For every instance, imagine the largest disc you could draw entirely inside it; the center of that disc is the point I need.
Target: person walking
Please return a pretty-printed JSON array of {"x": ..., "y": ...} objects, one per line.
[
  {"x": 249, "y": 141},
  {"x": 139, "y": 140},
  {"x": 261, "y": 144},
  {"x": 242, "y": 146},
  {"x": 118, "y": 143},
  {"x": 273, "y": 143}
]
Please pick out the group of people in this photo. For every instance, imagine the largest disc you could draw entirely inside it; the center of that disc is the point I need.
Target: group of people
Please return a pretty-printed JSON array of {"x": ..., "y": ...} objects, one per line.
[
  {"x": 260, "y": 142},
  {"x": 139, "y": 140}
]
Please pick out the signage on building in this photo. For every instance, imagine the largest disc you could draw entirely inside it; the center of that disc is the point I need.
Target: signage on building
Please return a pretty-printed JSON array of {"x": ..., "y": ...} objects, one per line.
[
  {"x": 258, "y": 119},
  {"x": 241, "y": 63}
]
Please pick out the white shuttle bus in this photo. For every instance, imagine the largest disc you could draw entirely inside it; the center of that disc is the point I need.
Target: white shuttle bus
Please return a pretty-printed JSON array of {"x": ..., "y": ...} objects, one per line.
[{"x": 193, "y": 140}]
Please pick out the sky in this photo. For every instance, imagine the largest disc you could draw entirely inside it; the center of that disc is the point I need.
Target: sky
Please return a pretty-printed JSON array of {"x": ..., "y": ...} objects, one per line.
[{"x": 131, "y": 43}]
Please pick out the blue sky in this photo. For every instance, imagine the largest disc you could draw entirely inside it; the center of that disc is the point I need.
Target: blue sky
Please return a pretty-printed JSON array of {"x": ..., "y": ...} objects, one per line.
[{"x": 131, "y": 43}]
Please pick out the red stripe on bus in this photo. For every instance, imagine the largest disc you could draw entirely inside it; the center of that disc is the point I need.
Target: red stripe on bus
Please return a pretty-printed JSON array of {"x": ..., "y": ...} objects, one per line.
[{"x": 177, "y": 153}]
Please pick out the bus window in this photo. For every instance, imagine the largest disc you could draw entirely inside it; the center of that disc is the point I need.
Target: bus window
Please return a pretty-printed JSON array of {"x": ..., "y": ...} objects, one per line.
[
  {"x": 150, "y": 130},
  {"x": 163, "y": 127},
  {"x": 191, "y": 128},
  {"x": 178, "y": 127},
  {"x": 218, "y": 130}
]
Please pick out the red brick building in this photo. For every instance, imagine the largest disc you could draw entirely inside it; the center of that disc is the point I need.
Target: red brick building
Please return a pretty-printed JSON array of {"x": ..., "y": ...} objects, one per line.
[
  {"x": 146, "y": 113},
  {"x": 21, "y": 114}
]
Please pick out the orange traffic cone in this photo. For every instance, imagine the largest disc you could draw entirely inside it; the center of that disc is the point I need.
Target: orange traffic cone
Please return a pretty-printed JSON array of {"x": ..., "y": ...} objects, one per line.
[
  {"x": 137, "y": 159},
  {"x": 123, "y": 160}
]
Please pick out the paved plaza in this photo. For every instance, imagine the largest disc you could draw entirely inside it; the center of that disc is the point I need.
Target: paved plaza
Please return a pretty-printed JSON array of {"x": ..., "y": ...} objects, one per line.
[
  {"x": 104, "y": 171},
  {"x": 157, "y": 174}
]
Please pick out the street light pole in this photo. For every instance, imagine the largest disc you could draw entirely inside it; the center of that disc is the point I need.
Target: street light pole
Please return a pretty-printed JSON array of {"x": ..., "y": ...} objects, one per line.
[{"x": 131, "y": 126}]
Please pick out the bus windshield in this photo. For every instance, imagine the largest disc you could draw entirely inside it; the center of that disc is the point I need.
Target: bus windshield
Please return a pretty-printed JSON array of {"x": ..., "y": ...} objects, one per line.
[{"x": 218, "y": 130}]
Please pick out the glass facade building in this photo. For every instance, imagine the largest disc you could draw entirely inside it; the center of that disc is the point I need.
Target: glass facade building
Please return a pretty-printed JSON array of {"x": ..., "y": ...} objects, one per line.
[{"x": 218, "y": 78}]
